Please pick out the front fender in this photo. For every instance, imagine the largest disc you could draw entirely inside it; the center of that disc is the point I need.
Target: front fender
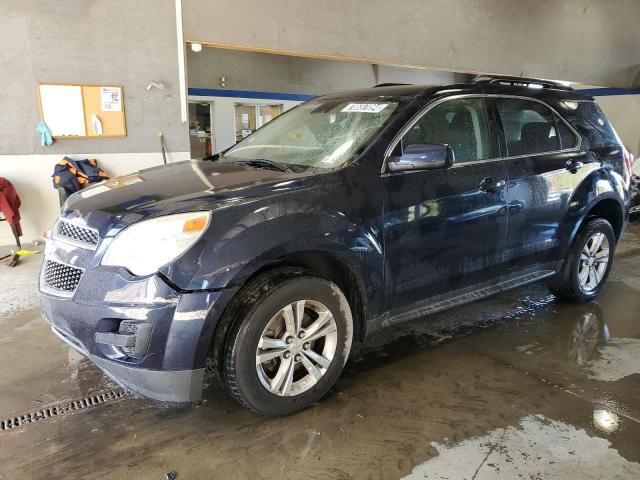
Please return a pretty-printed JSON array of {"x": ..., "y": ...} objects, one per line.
[{"x": 261, "y": 233}]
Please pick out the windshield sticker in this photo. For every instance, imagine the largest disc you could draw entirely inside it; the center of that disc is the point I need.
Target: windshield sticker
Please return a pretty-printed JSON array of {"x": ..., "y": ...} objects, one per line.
[{"x": 365, "y": 107}]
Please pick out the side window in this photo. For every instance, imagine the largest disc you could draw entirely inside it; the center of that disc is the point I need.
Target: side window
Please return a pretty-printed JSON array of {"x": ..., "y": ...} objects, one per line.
[
  {"x": 460, "y": 123},
  {"x": 567, "y": 137},
  {"x": 529, "y": 127}
]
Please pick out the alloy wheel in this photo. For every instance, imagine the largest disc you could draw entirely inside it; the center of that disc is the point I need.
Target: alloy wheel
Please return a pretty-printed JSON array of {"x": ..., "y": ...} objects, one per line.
[
  {"x": 594, "y": 259},
  {"x": 296, "y": 348}
]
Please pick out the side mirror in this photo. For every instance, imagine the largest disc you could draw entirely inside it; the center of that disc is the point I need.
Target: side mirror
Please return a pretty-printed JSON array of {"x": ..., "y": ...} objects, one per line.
[{"x": 422, "y": 157}]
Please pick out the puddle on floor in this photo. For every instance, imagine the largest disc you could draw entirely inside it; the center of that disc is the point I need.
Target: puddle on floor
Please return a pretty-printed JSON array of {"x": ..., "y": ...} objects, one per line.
[
  {"x": 619, "y": 358},
  {"x": 537, "y": 448}
]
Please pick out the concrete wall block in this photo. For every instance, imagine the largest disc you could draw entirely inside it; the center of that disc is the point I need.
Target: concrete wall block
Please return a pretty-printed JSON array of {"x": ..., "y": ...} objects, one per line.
[
  {"x": 594, "y": 42},
  {"x": 76, "y": 41},
  {"x": 624, "y": 112}
]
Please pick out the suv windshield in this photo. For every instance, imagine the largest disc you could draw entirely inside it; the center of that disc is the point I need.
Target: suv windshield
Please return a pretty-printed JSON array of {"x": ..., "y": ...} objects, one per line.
[{"x": 322, "y": 134}]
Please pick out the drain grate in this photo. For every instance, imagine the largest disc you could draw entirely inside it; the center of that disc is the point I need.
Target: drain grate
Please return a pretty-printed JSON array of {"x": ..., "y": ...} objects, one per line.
[{"x": 62, "y": 409}]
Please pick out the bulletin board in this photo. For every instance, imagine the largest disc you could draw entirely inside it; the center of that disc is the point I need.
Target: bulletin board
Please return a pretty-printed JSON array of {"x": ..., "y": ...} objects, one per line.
[{"x": 82, "y": 110}]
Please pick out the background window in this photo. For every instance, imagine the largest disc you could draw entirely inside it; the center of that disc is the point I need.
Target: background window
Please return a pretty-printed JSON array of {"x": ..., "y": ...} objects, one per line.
[
  {"x": 251, "y": 117},
  {"x": 459, "y": 123},
  {"x": 529, "y": 127}
]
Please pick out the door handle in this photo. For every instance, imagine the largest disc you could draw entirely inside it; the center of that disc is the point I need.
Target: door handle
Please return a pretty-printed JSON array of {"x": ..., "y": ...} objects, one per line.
[
  {"x": 489, "y": 186},
  {"x": 573, "y": 166}
]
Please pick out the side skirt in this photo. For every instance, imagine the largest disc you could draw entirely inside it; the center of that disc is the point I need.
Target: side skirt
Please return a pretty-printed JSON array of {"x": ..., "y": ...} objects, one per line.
[{"x": 458, "y": 297}]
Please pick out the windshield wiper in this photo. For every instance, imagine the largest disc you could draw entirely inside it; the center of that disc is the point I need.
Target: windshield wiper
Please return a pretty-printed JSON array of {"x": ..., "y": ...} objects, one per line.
[{"x": 263, "y": 163}]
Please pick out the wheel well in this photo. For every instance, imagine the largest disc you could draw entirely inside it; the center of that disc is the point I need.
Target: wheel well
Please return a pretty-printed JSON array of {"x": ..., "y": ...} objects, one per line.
[
  {"x": 610, "y": 210},
  {"x": 332, "y": 268},
  {"x": 325, "y": 265}
]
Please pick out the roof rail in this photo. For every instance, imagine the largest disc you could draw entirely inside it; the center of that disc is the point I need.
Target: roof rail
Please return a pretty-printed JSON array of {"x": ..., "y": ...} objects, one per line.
[
  {"x": 391, "y": 85},
  {"x": 521, "y": 82}
]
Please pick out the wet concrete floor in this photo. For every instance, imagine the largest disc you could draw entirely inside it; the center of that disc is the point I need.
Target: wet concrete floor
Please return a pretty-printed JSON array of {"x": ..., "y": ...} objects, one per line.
[{"x": 515, "y": 386}]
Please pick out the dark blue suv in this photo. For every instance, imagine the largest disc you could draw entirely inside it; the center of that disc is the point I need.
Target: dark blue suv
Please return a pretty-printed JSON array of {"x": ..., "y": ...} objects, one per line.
[{"x": 351, "y": 212}]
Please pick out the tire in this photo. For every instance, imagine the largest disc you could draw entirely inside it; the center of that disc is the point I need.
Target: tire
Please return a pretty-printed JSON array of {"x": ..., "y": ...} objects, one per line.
[
  {"x": 284, "y": 383},
  {"x": 569, "y": 284}
]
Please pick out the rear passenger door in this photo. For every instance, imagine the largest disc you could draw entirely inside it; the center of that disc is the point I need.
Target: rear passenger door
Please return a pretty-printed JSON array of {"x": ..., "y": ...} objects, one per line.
[{"x": 544, "y": 167}]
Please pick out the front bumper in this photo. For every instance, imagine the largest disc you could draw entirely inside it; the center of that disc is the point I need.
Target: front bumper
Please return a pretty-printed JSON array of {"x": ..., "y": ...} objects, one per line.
[
  {"x": 178, "y": 386},
  {"x": 170, "y": 365}
]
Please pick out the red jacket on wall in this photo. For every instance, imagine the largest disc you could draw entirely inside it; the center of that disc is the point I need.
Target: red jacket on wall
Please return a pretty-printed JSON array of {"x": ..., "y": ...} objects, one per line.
[{"x": 10, "y": 203}]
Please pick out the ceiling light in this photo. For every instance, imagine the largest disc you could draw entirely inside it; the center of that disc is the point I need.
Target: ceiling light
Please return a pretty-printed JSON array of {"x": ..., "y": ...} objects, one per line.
[{"x": 196, "y": 47}]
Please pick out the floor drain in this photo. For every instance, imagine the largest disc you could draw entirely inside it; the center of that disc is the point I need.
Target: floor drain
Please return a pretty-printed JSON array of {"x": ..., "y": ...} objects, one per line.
[{"x": 62, "y": 409}]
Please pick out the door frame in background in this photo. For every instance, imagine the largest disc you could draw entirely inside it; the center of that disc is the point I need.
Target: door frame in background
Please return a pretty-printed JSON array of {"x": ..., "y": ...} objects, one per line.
[
  {"x": 223, "y": 115},
  {"x": 211, "y": 117}
]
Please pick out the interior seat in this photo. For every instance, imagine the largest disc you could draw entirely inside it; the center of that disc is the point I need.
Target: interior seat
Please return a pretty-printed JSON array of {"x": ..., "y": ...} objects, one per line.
[{"x": 535, "y": 137}]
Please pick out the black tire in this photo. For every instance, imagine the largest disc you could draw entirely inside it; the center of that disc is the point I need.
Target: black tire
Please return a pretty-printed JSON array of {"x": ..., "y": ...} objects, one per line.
[
  {"x": 257, "y": 304},
  {"x": 566, "y": 285}
]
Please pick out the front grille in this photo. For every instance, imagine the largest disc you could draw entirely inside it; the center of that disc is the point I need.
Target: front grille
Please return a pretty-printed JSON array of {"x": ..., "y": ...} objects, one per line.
[
  {"x": 61, "y": 276},
  {"x": 77, "y": 233}
]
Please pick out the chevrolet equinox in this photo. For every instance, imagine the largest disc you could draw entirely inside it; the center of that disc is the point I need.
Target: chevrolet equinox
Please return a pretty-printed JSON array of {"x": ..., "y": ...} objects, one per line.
[{"x": 349, "y": 213}]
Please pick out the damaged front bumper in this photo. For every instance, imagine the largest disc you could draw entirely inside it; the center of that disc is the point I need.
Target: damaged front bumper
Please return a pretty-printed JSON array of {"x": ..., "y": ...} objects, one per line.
[
  {"x": 178, "y": 386},
  {"x": 148, "y": 337}
]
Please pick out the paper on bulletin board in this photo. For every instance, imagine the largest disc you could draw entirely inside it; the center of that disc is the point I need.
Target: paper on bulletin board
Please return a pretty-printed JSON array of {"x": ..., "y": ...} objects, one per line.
[
  {"x": 111, "y": 99},
  {"x": 62, "y": 109}
]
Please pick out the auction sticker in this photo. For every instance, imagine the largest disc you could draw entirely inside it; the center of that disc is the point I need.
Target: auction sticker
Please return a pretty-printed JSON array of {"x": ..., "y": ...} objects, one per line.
[{"x": 365, "y": 107}]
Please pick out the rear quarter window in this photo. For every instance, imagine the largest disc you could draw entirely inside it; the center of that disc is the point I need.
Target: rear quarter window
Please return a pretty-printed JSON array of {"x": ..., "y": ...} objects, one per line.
[{"x": 589, "y": 120}]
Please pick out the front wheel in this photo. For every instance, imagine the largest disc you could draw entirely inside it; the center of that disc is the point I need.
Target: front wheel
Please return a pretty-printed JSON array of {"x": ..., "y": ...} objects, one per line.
[
  {"x": 585, "y": 271},
  {"x": 290, "y": 341}
]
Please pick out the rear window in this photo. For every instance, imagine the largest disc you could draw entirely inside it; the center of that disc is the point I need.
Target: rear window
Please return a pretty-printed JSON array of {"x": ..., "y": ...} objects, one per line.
[{"x": 587, "y": 117}]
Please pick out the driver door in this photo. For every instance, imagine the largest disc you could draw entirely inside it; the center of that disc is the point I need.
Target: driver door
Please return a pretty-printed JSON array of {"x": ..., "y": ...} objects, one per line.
[{"x": 445, "y": 228}]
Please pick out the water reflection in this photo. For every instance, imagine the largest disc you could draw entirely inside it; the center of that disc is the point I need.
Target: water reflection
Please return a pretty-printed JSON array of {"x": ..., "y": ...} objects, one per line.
[{"x": 588, "y": 333}]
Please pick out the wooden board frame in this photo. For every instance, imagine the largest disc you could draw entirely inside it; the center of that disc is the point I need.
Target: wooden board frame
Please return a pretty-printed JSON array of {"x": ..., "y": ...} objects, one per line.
[{"x": 82, "y": 86}]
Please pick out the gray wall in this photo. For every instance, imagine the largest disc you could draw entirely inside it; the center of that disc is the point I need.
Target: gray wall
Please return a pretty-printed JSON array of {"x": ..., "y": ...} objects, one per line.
[
  {"x": 90, "y": 41},
  {"x": 274, "y": 73},
  {"x": 287, "y": 74},
  {"x": 593, "y": 41}
]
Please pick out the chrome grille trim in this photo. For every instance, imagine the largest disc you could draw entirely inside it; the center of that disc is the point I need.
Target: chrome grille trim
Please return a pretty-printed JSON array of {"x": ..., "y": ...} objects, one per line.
[
  {"x": 81, "y": 236},
  {"x": 60, "y": 277}
]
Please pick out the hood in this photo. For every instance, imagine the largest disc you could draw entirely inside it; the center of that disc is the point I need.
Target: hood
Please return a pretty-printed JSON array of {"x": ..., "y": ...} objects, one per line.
[{"x": 174, "y": 188}]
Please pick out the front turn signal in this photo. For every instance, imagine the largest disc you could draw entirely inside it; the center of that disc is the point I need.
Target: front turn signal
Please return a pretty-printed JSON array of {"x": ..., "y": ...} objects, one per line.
[{"x": 195, "y": 224}]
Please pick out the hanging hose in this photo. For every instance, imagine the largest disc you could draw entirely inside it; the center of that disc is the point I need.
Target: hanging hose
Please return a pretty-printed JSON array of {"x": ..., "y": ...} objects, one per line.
[{"x": 162, "y": 147}]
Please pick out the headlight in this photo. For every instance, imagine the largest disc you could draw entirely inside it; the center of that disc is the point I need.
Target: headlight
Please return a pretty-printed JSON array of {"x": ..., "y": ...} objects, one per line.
[{"x": 144, "y": 247}]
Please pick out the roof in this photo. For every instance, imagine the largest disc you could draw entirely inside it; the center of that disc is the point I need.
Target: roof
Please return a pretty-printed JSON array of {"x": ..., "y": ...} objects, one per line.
[
  {"x": 385, "y": 91},
  {"x": 529, "y": 87}
]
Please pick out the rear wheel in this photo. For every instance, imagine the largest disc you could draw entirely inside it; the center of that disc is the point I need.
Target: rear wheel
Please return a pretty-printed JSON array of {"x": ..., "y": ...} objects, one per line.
[
  {"x": 289, "y": 343},
  {"x": 586, "y": 269}
]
